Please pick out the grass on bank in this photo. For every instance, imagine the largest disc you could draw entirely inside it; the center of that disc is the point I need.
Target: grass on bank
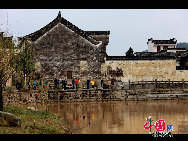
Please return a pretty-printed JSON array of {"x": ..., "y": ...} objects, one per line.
[{"x": 34, "y": 122}]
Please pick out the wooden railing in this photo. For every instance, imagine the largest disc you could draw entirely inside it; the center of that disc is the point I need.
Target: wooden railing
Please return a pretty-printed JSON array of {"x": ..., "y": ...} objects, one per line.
[{"x": 158, "y": 84}]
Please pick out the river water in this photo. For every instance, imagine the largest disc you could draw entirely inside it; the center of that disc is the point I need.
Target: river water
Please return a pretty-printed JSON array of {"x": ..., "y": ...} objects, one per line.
[{"x": 122, "y": 117}]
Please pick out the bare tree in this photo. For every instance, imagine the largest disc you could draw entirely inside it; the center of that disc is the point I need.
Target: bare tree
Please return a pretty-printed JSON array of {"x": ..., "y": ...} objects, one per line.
[
  {"x": 12, "y": 58},
  {"x": 8, "y": 59}
]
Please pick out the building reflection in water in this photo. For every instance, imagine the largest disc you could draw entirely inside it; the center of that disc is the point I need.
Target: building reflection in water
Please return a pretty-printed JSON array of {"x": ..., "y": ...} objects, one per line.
[{"x": 121, "y": 117}]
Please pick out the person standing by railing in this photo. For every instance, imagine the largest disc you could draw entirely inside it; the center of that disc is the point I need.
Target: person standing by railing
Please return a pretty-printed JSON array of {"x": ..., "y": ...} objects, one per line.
[
  {"x": 92, "y": 83},
  {"x": 88, "y": 84},
  {"x": 76, "y": 83},
  {"x": 35, "y": 84},
  {"x": 102, "y": 83},
  {"x": 55, "y": 83},
  {"x": 65, "y": 84},
  {"x": 73, "y": 83}
]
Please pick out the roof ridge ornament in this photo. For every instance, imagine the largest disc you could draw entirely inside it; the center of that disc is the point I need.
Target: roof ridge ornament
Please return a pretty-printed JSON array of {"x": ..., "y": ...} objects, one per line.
[{"x": 59, "y": 16}]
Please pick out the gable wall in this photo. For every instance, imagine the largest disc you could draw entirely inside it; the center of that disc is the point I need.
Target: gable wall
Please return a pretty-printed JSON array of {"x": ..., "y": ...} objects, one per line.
[{"x": 61, "y": 50}]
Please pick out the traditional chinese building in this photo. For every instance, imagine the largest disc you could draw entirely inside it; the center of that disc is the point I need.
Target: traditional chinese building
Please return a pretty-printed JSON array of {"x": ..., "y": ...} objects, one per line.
[
  {"x": 159, "y": 45},
  {"x": 65, "y": 51}
]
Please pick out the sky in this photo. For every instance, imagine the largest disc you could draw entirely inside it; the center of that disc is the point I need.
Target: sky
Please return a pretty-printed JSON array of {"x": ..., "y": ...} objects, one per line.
[{"x": 128, "y": 27}]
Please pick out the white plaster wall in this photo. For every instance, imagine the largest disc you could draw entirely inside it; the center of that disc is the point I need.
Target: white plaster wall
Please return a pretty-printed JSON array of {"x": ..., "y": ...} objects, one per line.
[
  {"x": 171, "y": 46},
  {"x": 151, "y": 47},
  {"x": 171, "y": 51}
]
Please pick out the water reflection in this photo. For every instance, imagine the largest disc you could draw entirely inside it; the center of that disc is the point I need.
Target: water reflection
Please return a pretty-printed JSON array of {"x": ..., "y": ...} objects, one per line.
[{"x": 121, "y": 117}]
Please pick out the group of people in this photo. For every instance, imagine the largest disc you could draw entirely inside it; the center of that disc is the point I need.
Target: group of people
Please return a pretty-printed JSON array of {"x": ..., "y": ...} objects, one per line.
[
  {"x": 74, "y": 84},
  {"x": 90, "y": 84},
  {"x": 64, "y": 83},
  {"x": 32, "y": 85}
]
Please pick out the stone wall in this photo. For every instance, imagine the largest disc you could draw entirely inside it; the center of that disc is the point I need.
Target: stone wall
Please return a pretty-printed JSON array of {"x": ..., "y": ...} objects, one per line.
[
  {"x": 23, "y": 97},
  {"x": 14, "y": 98},
  {"x": 89, "y": 95},
  {"x": 27, "y": 97},
  {"x": 61, "y": 50},
  {"x": 146, "y": 70}
]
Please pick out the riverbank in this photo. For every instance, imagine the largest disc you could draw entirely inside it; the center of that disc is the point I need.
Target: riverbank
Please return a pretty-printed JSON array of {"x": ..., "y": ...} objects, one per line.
[
  {"x": 24, "y": 97},
  {"x": 34, "y": 122},
  {"x": 116, "y": 95}
]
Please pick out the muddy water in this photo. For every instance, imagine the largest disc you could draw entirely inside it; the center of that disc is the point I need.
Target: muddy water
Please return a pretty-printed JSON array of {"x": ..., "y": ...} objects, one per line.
[{"x": 122, "y": 117}]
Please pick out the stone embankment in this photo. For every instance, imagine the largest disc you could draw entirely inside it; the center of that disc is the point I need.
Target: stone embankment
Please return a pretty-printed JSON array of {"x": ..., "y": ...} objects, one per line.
[
  {"x": 92, "y": 95},
  {"x": 157, "y": 97}
]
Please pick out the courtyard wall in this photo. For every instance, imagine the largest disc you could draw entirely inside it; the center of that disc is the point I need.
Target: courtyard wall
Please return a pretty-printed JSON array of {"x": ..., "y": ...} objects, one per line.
[{"x": 146, "y": 70}]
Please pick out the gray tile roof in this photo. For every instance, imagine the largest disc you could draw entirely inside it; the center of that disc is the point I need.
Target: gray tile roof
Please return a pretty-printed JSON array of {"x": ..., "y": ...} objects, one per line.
[
  {"x": 171, "y": 41},
  {"x": 85, "y": 34}
]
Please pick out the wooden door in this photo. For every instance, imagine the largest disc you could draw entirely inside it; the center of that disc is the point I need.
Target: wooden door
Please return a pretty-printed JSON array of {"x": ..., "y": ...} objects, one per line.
[
  {"x": 158, "y": 48},
  {"x": 69, "y": 75}
]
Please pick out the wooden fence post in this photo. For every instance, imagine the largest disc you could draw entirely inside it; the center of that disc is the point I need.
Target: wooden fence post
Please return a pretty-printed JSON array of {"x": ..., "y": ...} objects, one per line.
[
  {"x": 169, "y": 83},
  {"x": 172, "y": 84},
  {"x": 142, "y": 83},
  {"x": 183, "y": 84},
  {"x": 129, "y": 85},
  {"x": 155, "y": 83}
]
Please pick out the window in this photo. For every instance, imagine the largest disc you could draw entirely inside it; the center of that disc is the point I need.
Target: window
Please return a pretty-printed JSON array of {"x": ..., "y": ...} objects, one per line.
[{"x": 165, "y": 47}]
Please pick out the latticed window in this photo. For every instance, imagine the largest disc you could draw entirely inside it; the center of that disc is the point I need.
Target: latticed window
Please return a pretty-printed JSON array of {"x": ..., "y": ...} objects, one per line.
[{"x": 165, "y": 47}]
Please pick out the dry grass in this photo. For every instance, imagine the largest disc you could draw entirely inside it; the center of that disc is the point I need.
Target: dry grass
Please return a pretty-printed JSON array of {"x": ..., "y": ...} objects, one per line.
[{"x": 34, "y": 122}]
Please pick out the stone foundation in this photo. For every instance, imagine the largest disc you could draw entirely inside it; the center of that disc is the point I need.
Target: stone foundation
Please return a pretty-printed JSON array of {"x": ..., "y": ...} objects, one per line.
[{"x": 92, "y": 95}]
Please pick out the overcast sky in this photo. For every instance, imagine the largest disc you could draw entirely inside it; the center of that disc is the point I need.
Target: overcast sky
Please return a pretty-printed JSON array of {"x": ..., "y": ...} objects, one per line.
[{"x": 128, "y": 27}]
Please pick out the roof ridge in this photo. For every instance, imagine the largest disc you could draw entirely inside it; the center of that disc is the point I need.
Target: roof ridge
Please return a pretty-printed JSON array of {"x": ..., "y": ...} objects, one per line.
[
  {"x": 79, "y": 31},
  {"x": 35, "y": 35},
  {"x": 97, "y": 32}
]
